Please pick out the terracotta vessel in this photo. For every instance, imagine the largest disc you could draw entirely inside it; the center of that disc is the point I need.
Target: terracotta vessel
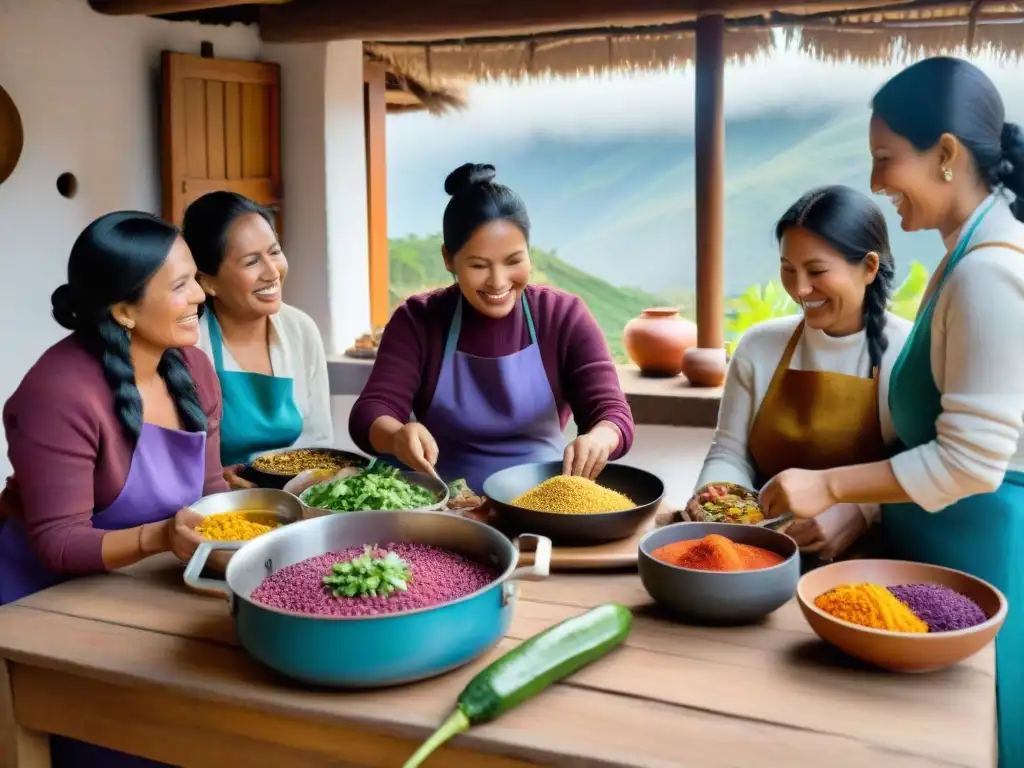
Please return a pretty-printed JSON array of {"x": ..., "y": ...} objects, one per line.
[
  {"x": 657, "y": 339},
  {"x": 705, "y": 367}
]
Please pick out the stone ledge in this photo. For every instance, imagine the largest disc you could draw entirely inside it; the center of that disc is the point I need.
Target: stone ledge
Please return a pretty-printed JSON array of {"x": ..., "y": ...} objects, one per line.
[{"x": 669, "y": 402}]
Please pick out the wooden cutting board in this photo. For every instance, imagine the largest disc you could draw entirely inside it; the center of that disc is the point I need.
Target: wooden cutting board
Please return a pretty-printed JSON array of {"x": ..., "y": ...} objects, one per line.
[{"x": 613, "y": 555}]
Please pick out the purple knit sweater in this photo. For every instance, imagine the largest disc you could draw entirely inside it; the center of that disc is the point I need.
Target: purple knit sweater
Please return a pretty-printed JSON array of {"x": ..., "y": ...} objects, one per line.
[
  {"x": 576, "y": 358},
  {"x": 70, "y": 454}
]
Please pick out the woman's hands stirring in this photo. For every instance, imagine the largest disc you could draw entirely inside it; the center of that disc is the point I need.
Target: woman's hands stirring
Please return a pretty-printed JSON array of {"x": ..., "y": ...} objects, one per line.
[
  {"x": 587, "y": 455},
  {"x": 415, "y": 447}
]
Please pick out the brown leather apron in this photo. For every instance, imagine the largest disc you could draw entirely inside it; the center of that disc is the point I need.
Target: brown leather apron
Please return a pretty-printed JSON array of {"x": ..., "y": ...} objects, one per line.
[{"x": 815, "y": 420}]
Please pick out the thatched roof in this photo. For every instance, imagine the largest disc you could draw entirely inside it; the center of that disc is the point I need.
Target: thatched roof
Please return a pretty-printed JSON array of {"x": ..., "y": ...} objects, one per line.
[
  {"x": 410, "y": 91},
  {"x": 910, "y": 32},
  {"x": 893, "y": 32}
]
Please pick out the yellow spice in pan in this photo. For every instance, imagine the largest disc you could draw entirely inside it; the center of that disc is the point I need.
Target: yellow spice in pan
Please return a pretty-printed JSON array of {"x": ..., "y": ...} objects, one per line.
[
  {"x": 572, "y": 496},
  {"x": 237, "y": 526}
]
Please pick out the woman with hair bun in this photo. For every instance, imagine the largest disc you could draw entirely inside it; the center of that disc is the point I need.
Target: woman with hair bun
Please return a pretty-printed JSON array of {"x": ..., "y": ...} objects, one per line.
[
  {"x": 811, "y": 390},
  {"x": 945, "y": 155},
  {"x": 491, "y": 367},
  {"x": 114, "y": 431}
]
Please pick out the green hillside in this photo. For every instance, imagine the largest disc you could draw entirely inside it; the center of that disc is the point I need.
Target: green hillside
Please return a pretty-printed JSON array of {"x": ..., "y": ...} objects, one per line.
[{"x": 415, "y": 265}]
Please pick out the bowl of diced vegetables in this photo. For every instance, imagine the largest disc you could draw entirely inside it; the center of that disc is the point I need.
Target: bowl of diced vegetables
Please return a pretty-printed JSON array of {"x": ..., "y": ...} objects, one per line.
[{"x": 379, "y": 487}]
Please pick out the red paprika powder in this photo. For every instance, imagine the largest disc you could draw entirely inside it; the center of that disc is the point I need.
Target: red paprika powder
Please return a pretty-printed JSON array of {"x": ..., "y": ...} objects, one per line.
[{"x": 716, "y": 553}]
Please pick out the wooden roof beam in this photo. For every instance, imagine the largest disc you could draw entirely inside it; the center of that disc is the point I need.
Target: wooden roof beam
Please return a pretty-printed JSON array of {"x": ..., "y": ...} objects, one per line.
[
  {"x": 158, "y": 7},
  {"x": 407, "y": 20}
]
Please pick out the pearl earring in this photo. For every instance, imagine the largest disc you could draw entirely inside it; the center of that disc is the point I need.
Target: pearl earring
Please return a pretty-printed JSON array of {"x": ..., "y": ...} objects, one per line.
[{"x": 947, "y": 174}]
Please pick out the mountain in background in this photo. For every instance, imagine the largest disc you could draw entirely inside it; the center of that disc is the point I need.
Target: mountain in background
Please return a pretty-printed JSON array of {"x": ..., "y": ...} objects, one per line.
[
  {"x": 623, "y": 211},
  {"x": 414, "y": 265}
]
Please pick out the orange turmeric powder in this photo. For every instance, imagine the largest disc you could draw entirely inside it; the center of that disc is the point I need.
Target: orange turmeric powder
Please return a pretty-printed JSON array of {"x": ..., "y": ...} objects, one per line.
[{"x": 716, "y": 553}]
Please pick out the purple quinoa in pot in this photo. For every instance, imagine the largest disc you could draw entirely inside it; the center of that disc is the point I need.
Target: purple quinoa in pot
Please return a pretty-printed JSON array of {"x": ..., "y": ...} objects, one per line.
[
  {"x": 941, "y": 608},
  {"x": 438, "y": 576}
]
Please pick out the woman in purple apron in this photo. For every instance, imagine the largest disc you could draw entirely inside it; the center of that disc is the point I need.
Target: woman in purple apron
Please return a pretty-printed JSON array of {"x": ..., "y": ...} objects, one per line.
[
  {"x": 485, "y": 374},
  {"x": 114, "y": 431}
]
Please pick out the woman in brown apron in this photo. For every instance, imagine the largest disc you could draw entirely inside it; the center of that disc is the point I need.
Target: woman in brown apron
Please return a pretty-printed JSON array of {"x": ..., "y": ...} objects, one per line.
[{"x": 809, "y": 391}]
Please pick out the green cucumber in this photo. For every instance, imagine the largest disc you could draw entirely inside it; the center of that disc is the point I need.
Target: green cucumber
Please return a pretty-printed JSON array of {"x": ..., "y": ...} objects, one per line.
[{"x": 531, "y": 667}]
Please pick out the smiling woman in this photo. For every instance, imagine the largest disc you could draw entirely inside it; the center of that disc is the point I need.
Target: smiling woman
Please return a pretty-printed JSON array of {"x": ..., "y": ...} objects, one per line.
[
  {"x": 269, "y": 356},
  {"x": 491, "y": 367},
  {"x": 114, "y": 431}
]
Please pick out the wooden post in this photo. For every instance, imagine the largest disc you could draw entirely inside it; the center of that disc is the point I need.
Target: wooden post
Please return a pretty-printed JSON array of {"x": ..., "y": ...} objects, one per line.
[
  {"x": 709, "y": 127},
  {"x": 375, "y": 111}
]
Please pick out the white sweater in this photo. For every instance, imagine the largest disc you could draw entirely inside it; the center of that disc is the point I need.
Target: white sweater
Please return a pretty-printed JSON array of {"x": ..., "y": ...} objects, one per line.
[
  {"x": 296, "y": 352},
  {"x": 750, "y": 372},
  {"x": 977, "y": 358}
]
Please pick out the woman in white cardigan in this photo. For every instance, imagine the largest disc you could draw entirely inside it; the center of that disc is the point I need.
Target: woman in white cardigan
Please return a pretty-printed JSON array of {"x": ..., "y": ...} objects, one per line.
[
  {"x": 810, "y": 391},
  {"x": 269, "y": 356},
  {"x": 947, "y": 158}
]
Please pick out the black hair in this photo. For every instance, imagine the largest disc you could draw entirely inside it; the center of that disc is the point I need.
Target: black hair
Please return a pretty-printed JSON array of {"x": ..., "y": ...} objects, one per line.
[
  {"x": 854, "y": 226},
  {"x": 207, "y": 221},
  {"x": 477, "y": 200},
  {"x": 112, "y": 261},
  {"x": 949, "y": 95}
]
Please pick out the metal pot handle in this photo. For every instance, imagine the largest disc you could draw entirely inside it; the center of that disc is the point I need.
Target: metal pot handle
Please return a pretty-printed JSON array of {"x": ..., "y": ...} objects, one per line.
[
  {"x": 541, "y": 547},
  {"x": 197, "y": 562}
]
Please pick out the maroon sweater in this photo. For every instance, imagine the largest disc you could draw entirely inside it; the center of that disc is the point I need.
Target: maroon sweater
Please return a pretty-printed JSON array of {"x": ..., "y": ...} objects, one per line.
[
  {"x": 576, "y": 358},
  {"x": 71, "y": 456}
]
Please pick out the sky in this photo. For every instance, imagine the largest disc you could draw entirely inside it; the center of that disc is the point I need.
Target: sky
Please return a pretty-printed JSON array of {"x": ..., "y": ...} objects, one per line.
[{"x": 618, "y": 106}]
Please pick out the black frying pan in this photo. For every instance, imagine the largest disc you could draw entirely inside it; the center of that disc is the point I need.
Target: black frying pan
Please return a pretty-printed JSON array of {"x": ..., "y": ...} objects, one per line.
[{"x": 642, "y": 487}]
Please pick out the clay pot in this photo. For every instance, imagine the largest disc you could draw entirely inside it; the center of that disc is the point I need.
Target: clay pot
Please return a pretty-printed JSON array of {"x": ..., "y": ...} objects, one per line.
[
  {"x": 704, "y": 367},
  {"x": 657, "y": 339}
]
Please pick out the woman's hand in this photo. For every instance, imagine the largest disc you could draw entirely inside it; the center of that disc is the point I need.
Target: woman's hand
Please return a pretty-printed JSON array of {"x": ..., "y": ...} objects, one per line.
[
  {"x": 234, "y": 479},
  {"x": 802, "y": 492},
  {"x": 182, "y": 539},
  {"x": 588, "y": 454},
  {"x": 414, "y": 446},
  {"x": 831, "y": 533}
]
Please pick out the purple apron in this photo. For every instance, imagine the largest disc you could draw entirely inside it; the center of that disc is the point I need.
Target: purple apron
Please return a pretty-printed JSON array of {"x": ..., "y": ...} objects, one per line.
[
  {"x": 167, "y": 473},
  {"x": 489, "y": 413}
]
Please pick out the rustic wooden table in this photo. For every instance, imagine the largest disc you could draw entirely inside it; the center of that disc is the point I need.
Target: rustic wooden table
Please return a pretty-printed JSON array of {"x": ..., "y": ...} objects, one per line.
[{"x": 136, "y": 662}]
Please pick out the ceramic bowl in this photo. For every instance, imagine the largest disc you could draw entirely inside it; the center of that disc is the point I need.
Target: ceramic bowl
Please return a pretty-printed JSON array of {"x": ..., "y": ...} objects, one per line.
[
  {"x": 266, "y": 479},
  {"x": 901, "y": 651},
  {"x": 645, "y": 489},
  {"x": 713, "y": 597}
]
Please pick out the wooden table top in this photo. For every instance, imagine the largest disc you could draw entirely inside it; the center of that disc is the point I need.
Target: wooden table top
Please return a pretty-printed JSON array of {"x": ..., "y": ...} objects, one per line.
[{"x": 766, "y": 695}]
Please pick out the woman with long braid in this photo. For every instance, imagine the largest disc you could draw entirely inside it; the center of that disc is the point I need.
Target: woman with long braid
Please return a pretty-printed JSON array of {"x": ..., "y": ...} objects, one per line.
[
  {"x": 114, "y": 431},
  {"x": 944, "y": 153},
  {"x": 810, "y": 391}
]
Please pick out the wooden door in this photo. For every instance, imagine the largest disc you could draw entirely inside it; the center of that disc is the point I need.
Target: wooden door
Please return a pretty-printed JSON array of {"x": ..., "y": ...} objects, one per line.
[{"x": 221, "y": 130}]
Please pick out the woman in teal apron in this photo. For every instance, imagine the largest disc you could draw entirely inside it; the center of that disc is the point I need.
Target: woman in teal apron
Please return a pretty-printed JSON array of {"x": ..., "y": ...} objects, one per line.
[
  {"x": 268, "y": 355},
  {"x": 955, "y": 496}
]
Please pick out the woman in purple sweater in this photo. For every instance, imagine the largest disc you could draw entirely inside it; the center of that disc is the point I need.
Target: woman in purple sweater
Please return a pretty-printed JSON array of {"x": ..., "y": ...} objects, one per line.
[
  {"x": 491, "y": 367},
  {"x": 114, "y": 431}
]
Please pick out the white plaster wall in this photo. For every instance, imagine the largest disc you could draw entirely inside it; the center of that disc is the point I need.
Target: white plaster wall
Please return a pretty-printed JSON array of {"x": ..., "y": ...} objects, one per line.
[
  {"x": 87, "y": 87},
  {"x": 324, "y": 159}
]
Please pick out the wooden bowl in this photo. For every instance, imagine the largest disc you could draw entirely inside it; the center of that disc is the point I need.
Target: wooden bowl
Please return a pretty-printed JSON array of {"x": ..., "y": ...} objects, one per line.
[{"x": 901, "y": 651}]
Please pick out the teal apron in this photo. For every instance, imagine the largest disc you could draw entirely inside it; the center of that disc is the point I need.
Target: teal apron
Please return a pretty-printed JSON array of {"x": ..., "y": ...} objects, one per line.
[
  {"x": 260, "y": 413},
  {"x": 982, "y": 535}
]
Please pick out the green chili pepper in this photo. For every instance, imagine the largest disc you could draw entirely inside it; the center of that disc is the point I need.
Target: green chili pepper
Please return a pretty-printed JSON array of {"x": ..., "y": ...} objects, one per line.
[{"x": 528, "y": 669}]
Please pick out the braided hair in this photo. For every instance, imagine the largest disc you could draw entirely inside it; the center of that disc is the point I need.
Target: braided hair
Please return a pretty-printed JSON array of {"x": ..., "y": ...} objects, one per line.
[
  {"x": 854, "y": 226},
  {"x": 112, "y": 261},
  {"x": 944, "y": 94}
]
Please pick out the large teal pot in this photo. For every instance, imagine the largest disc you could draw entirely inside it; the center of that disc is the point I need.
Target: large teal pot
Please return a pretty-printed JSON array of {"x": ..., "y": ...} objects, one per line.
[{"x": 370, "y": 651}]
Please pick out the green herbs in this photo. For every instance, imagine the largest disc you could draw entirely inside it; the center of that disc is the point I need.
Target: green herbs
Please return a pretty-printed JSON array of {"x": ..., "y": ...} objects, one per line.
[
  {"x": 381, "y": 486},
  {"x": 369, "y": 575}
]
